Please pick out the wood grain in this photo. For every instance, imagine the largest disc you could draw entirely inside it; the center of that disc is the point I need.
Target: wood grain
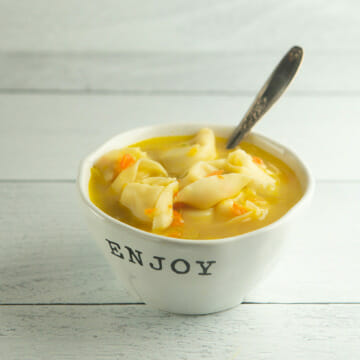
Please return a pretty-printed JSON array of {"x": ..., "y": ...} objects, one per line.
[
  {"x": 228, "y": 73},
  {"x": 47, "y": 256},
  {"x": 44, "y": 137},
  {"x": 179, "y": 25},
  {"x": 262, "y": 332}
]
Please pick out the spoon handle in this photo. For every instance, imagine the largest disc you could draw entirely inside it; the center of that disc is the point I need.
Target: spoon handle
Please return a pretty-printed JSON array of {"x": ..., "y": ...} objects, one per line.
[{"x": 269, "y": 93}]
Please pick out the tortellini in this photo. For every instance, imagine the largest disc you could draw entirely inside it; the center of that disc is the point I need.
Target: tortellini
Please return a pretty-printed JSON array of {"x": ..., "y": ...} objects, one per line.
[
  {"x": 140, "y": 170},
  {"x": 163, "y": 215},
  {"x": 151, "y": 201},
  {"x": 202, "y": 169},
  {"x": 107, "y": 163},
  {"x": 241, "y": 209},
  {"x": 179, "y": 159},
  {"x": 208, "y": 191},
  {"x": 139, "y": 197},
  {"x": 241, "y": 162}
]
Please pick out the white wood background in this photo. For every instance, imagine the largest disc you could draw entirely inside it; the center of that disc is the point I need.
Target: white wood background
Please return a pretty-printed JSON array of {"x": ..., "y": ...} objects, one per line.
[{"x": 73, "y": 73}]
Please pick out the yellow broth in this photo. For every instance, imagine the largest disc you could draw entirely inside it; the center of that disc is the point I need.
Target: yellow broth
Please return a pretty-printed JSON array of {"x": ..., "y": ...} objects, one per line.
[{"x": 201, "y": 227}]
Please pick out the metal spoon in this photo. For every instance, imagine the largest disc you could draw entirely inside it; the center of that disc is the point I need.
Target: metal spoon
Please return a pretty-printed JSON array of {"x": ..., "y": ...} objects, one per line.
[{"x": 269, "y": 93}]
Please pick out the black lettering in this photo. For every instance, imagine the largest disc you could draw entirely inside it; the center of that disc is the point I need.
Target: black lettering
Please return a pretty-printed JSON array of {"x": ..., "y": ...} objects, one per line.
[
  {"x": 133, "y": 256},
  {"x": 186, "y": 264},
  {"x": 159, "y": 259},
  {"x": 115, "y": 248},
  {"x": 205, "y": 268}
]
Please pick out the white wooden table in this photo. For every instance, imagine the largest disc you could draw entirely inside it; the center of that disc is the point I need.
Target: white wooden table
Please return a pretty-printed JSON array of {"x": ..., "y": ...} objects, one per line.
[{"x": 74, "y": 74}]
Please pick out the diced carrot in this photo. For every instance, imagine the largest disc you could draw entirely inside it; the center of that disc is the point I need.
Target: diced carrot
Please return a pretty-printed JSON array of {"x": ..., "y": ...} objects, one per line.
[
  {"x": 238, "y": 209},
  {"x": 123, "y": 163},
  {"x": 170, "y": 206},
  {"x": 257, "y": 160},
  {"x": 177, "y": 219},
  {"x": 217, "y": 172},
  {"x": 149, "y": 212},
  {"x": 176, "y": 193},
  {"x": 126, "y": 161}
]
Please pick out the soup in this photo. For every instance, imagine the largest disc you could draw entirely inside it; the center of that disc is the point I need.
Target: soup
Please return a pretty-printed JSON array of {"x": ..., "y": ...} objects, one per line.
[{"x": 192, "y": 187}]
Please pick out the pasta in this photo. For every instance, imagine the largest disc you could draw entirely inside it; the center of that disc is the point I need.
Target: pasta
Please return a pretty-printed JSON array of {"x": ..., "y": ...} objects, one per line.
[
  {"x": 192, "y": 187},
  {"x": 141, "y": 169},
  {"x": 241, "y": 162},
  {"x": 109, "y": 165},
  {"x": 151, "y": 201},
  {"x": 208, "y": 191},
  {"x": 178, "y": 159}
]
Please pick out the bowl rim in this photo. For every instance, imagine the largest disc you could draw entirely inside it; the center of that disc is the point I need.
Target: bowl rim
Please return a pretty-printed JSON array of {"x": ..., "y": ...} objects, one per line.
[{"x": 307, "y": 195}]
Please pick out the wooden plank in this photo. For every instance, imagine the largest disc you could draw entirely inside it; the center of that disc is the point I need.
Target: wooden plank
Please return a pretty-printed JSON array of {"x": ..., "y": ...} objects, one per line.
[
  {"x": 47, "y": 256},
  {"x": 179, "y": 25},
  {"x": 44, "y": 137},
  {"x": 263, "y": 332},
  {"x": 173, "y": 73}
]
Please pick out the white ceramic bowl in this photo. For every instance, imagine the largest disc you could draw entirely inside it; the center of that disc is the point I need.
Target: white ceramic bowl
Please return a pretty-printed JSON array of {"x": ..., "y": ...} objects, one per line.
[{"x": 189, "y": 276}]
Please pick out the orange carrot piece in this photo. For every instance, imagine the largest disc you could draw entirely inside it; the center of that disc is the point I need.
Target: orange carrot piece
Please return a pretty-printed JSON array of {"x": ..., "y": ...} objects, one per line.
[
  {"x": 126, "y": 161},
  {"x": 123, "y": 163},
  {"x": 238, "y": 209},
  {"x": 177, "y": 219},
  {"x": 257, "y": 160}
]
